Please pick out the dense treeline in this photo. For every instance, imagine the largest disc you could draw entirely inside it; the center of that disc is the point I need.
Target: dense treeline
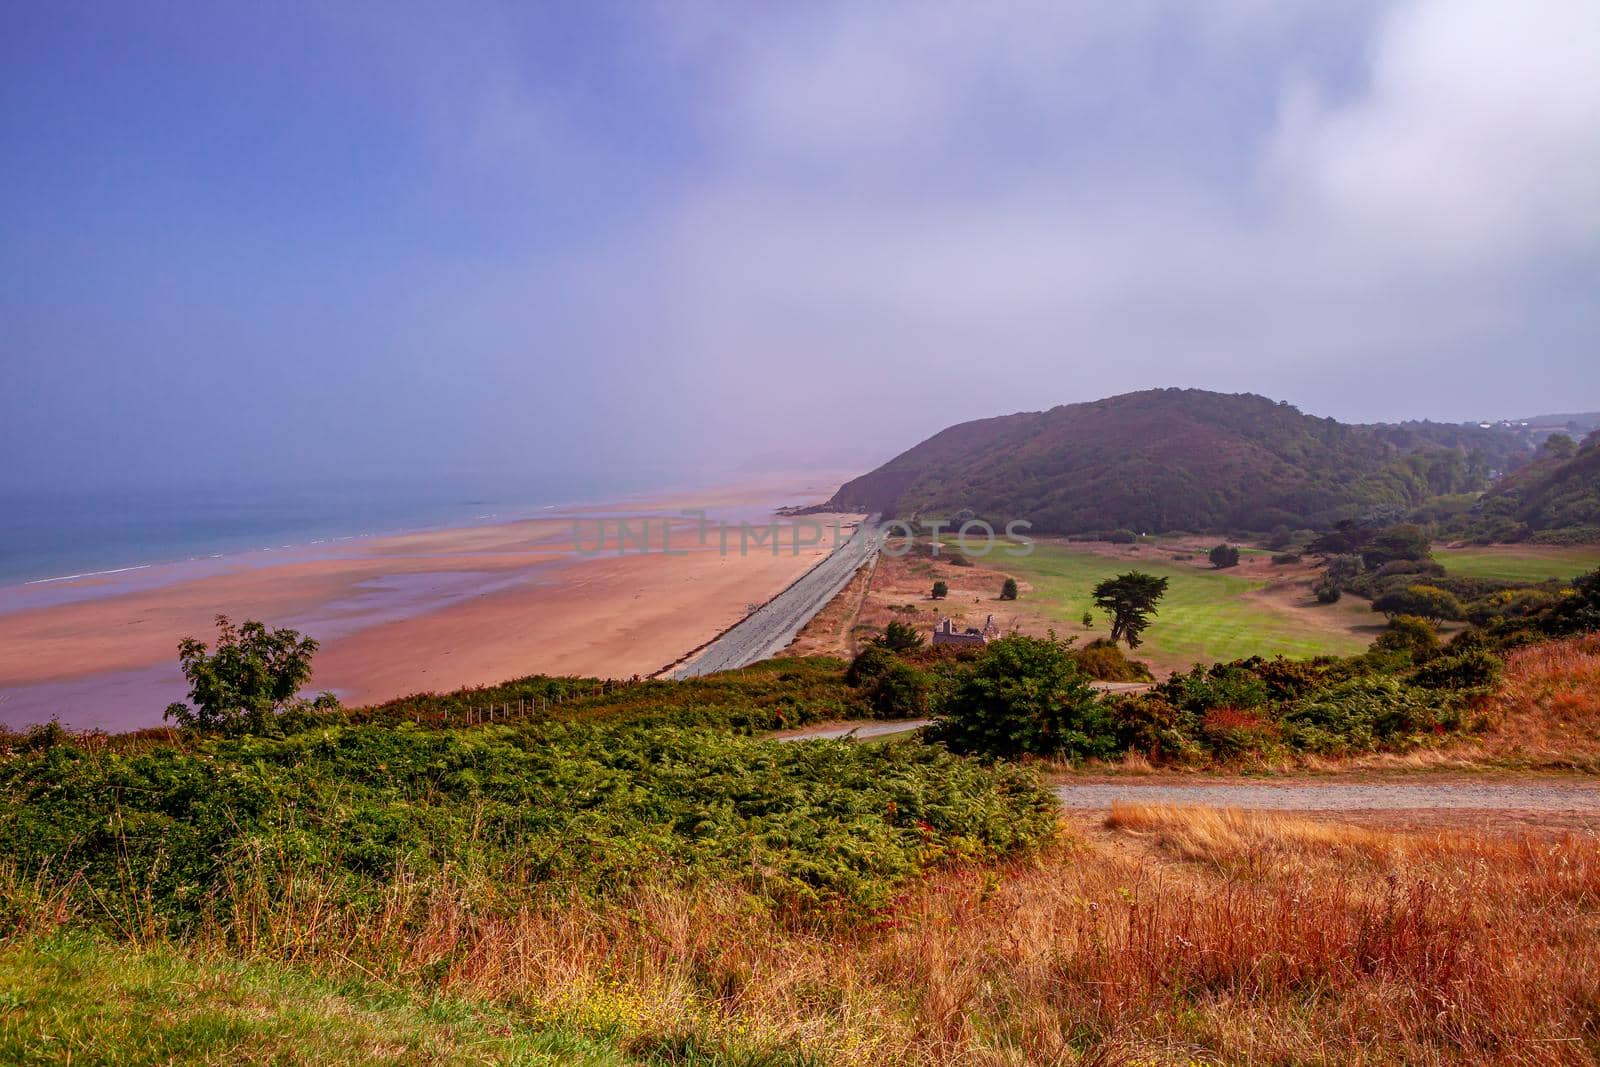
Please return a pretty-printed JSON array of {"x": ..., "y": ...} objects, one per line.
[{"x": 1554, "y": 500}]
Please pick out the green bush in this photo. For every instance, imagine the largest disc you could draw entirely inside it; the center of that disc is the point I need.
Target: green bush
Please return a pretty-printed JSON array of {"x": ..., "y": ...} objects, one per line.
[
  {"x": 869, "y": 665},
  {"x": 901, "y": 691},
  {"x": 1104, "y": 661},
  {"x": 1361, "y": 713},
  {"x": 1417, "y": 638},
  {"x": 1150, "y": 725},
  {"x": 1328, "y": 594},
  {"x": 1423, "y": 601},
  {"x": 1221, "y": 685},
  {"x": 1122, "y": 537},
  {"x": 902, "y": 637},
  {"x": 1025, "y": 696},
  {"x": 1469, "y": 669},
  {"x": 558, "y": 808},
  {"x": 1223, "y": 556}
]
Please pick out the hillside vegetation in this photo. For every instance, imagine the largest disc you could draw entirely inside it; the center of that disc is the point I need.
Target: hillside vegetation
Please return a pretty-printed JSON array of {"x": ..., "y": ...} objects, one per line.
[
  {"x": 626, "y": 873},
  {"x": 1554, "y": 500},
  {"x": 1179, "y": 459}
]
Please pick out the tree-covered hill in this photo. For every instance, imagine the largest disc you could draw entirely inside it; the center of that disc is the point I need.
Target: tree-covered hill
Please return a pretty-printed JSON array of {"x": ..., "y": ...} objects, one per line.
[
  {"x": 1555, "y": 499},
  {"x": 1180, "y": 459}
]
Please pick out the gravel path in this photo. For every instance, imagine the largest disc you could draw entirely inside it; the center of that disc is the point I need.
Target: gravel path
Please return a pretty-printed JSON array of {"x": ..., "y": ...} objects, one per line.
[
  {"x": 769, "y": 629},
  {"x": 859, "y": 730},
  {"x": 1306, "y": 796}
]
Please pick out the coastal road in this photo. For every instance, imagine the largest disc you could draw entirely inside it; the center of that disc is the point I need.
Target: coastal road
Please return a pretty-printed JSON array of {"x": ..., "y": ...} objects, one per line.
[{"x": 768, "y": 630}]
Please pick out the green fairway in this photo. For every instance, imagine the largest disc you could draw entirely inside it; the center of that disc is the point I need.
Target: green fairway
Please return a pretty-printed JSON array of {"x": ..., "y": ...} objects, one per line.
[
  {"x": 1206, "y": 615},
  {"x": 1517, "y": 563}
]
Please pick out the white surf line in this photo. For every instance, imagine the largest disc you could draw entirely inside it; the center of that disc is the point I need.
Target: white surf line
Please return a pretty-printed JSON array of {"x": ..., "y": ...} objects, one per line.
[{"x": 89, "y": 574}]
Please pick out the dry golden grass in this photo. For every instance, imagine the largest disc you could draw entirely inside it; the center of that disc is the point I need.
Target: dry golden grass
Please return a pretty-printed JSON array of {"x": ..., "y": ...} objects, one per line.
[
  {"x": 1170, "y": 935},
  {"x": 1548, "y": 710}
]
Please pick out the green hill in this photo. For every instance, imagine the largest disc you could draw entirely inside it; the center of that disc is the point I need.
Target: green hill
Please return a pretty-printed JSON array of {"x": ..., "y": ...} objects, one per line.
[
  {"x": 1555, "y": 499},
  {"x": 1180, "y": 459}
]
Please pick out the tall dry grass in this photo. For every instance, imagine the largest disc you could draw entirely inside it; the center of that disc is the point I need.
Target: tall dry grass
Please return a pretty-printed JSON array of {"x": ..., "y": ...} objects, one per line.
[
  {"x": 1548, "y": 710},
  {"x": 1169, "y": 935}
]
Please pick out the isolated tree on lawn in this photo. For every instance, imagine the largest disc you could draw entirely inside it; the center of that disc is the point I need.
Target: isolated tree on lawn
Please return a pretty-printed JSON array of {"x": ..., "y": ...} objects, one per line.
[
  {"x": 940, "y": 590},
  {"x": 253, "y": 674},
  {"x": 1130, "y": 599},
  {"x": 1224, "y": 556},
  {"x": 1008, "y": 591}
]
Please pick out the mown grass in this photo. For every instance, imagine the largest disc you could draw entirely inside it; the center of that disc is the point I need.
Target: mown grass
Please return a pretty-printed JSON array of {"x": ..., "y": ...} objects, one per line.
[
  {"x": 1517, "y": 564},
  {"x": 75, "y": 999},
  {"x": 1207, "y": 615}
]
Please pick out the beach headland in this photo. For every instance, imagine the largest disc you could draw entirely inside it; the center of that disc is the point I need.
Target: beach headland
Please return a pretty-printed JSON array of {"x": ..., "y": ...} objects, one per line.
[{"x": 610, "y": 590}]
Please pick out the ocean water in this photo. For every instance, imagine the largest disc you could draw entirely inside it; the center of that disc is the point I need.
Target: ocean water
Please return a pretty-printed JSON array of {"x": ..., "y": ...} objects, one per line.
[{"x": 57, "y": 534}]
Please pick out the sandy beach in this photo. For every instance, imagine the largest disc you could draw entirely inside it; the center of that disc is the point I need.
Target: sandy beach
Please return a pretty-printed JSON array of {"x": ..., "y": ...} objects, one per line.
[{"x": 431, "y": 610}]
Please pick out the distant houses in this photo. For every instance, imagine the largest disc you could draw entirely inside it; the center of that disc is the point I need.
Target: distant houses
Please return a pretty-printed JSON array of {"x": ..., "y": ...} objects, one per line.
[{"x": 946, "y": 633}]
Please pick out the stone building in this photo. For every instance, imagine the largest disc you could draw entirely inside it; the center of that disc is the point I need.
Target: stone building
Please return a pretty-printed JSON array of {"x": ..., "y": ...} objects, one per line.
[{"x": 946, "y": 633}]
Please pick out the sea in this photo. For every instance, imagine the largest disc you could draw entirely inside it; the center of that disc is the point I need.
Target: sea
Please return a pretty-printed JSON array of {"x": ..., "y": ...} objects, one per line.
[{"x": 55, "y": 535}]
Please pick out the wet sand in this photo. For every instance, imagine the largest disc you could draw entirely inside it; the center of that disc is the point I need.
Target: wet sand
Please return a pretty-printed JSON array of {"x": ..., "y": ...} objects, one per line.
[{"x": 432, "y": 610}]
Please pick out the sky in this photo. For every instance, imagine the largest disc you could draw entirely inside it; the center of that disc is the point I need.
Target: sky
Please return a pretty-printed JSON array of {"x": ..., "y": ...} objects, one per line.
[{"x": 244, "y": 241}]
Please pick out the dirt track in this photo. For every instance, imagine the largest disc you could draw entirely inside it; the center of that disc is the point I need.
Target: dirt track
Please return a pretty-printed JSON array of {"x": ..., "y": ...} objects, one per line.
[{"x": 1456, "y": 795}]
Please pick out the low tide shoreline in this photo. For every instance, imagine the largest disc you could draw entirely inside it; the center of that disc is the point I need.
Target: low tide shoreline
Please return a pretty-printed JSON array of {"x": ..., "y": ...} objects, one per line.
[{"x": 431, "y": 610}]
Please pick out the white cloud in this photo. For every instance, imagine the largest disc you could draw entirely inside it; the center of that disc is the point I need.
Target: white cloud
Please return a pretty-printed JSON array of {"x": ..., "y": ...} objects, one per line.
[{"x": 1479, "y": 137}]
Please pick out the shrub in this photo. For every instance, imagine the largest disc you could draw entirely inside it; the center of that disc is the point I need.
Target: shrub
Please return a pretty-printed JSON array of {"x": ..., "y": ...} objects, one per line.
[
  {"x": 1224, "y": 556},
  {"x": 1510, "y": 604},
  {"x": 1288, "y": 679},
  {"x": 1403, "y": 542},
  {"x": 1358, "y": 714},
  {"x": 1234, "y": 733},
  {"x": 1409, "y": 634},
  {"x": 940, "y": 590},
  {"x": 1410, "y": 566},
  {"x": 1105, "y": 661},
  {"x": 900, "y": 637},
  {"x": 1231, "y": 685},
  {"x": 900, "y": 691},
  {"x": 1471, "y": 669},
  {"x": 1285, "y": 559},
  {"x": 870, "y": 665},
  {"x": 1328, "y": 594},
  {"x": 1425, "y": 601},
  {"x": 1148, "y": 724},
  {"x": 1008, "y": 589},
  {"x": 1025, "y": 695},
  {"x": 1122, "y": 537},
  {"x": 558, "y": 809}
]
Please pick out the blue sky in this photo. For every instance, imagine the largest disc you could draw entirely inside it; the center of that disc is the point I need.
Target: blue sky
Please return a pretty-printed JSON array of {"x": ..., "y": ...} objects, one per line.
[{"x": 249, "y": 242}]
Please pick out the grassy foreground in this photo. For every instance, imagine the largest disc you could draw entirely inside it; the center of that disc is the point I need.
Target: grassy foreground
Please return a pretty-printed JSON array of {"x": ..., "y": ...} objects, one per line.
[
  {"x": 588, "y": 890},
  {"x": 1164, "y": 936},
  {"x": 75, "y": 999}
]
